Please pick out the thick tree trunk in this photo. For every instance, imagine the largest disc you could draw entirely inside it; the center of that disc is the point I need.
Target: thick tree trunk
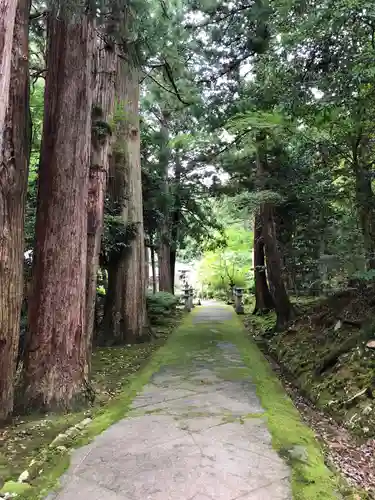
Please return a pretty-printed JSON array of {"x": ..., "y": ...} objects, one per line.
[
  {"x": 172, "y": 260},
  {"x": 110, "y": 332},
  {"x": 164, "y": 249},
  {"x": 263, "y": 298},
  {"x": 134, "y": 313},
  {"x": 283, "y": 306},
  {"x": 147, "y": 268},
  {"x": 126, "y": 320},
  {"x": 103, "y": 107},
  {"x": 13, "y": 188},
  {"x": 366, "y": 211},
  {"x": 55, "y": 362},
  {"x": 153, "y": 267},
  {"x": 7, "y": 17},
  {"x": 164, "y": 258},
  {"x": 175, "y": 218}
]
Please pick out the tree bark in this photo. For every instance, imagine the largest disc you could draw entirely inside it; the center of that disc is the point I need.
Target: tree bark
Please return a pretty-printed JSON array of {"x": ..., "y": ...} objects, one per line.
[
  {"x": 7, "y": 20},
  {"x": 172, "y": 260},
  {"x": 111, "y": 333},
  {"x": 283, "y": 307},
  {"x": 104, "y": 101},
  {"x": 164, "y": 258},
  {"x": 175, "y": 219},
  {"x": 164, "y": 250},
  {"x": 153, "y": 267},
  {"x": 147, "y": 268},
  {"x": 263, "y": 298},
  {"x": 55, "y": 375},
  {"x": 126, "y": 319},
  {"x": 134, "y": 313},
  {"x": 13, "y": 188},
  {"x": 366, "y": 211}
]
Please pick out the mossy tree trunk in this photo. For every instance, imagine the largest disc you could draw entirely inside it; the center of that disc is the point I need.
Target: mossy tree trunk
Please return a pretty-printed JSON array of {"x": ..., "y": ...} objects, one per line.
[
  {"x": 175, "y": 221},
  {"x": 283, "y": 307},
  {"x": 133, "y": 311},
  {"x": 103, "y": 108},
  {"x": 55, "y": 360},
  {"x": 153, "y": 268},
  {"x": 13, "y": 188},
  {"x": 125, "y": 316},
  {"x": 365, "y": 201},
  {"x": 263, "y": 298},
  {"x": 164, "y": 247},
  {"x": 7, "y": 20}
]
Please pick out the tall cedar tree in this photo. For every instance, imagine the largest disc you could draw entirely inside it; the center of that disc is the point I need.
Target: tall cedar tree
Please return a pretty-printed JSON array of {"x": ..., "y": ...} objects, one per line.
[
  {"x": 134, "y": 266},
  {"x": 13, "y": 187},
  {"x": 125, "y": 309},
  {"x": 55, "y": 358},
  {"x": 283, "y": 306},
  {"x": 104, "y": 102},
  {"x": 164, "y": 247},
  {"x": 263, "y": 298},
  {"x": 7, "y": 16}
]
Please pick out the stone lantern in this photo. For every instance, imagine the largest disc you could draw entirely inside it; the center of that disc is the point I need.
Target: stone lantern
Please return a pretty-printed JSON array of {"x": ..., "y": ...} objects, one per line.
[
  {"x": 238, "y": 294},
  {"x": 191, "y": 293},
  {"x": 187, "y": 298}
]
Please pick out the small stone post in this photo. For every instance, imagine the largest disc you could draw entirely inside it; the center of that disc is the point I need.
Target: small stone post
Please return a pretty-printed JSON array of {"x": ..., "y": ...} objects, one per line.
[
  {"x": 187, "y": 298},
  {"x": 238, "y": 292}
]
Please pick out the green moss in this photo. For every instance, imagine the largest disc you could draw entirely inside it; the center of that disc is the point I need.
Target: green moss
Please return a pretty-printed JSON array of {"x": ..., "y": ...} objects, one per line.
[
  {"x": 328, "y": 365},
  {"x": 110, "y": 414},
  {"x": 311, "y": 479},
  {"x": 15, "y": 487},
  {"x": 115, "y": 380}
]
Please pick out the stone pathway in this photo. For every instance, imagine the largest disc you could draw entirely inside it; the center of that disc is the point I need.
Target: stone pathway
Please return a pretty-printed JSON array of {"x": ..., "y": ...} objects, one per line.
[{"x": 191, "y": 435}]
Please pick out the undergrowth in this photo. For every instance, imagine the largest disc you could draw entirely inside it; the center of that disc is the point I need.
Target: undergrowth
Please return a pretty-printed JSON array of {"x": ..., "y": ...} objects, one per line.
[{"x": 325, "y": 353}]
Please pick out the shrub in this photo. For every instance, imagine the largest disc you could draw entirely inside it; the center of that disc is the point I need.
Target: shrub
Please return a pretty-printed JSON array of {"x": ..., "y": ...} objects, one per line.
[{"x": 160, "y": 304}]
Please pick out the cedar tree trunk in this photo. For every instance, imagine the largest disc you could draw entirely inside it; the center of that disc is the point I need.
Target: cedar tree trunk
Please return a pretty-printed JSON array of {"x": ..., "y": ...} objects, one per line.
[
  {"x": 153, "y": 267},
  {"x": 7, "y": 17},
  {"x": 164, "y": 250},
  {"x": 103, "y": 107},
  {"x": 283, "y": 306},
  {"x": 13, "y": 188},
  {"x": 164, "y": 258},
  {"x": 125, "y": 312},
  {"x": 263, "y": 298},
  {"x": 55, "y": 361},
  {"x": 133, "y": 311},
  {"x": 366, "y": 211}
]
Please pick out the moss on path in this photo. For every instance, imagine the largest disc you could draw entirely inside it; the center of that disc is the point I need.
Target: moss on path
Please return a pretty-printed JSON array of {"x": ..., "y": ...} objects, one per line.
[
  {"x": 118, "y": 373},
  {"x": 293, "y": 440},
  {"x": 198, "y": 343}
]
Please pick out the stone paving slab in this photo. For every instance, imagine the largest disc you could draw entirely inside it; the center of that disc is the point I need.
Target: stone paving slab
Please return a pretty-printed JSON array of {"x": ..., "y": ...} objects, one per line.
[{"x": 191, "y": 435}]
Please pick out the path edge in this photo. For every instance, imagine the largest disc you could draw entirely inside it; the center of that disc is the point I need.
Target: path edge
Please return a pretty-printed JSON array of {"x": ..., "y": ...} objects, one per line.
[
  {"x": 311, "y": 478},
  {"x": 58, "y": 462}
]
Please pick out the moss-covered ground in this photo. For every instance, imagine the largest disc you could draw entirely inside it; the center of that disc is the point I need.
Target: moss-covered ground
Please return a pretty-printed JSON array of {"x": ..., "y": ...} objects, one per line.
[
  {"x": 118, "y": 372},
  {"x": 324, "y": 351}
]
